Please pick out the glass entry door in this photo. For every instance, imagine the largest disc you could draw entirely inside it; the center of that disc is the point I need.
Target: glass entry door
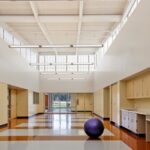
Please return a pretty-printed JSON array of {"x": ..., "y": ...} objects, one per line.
[{"x": 61, "y": 102}]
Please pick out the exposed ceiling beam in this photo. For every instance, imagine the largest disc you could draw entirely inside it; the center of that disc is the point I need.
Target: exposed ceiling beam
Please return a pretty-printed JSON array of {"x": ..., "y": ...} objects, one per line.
[
  {"x": 80, "y": 22},
  {"x": 58, "y": 18},
  {"x": 35, "y": 12}
]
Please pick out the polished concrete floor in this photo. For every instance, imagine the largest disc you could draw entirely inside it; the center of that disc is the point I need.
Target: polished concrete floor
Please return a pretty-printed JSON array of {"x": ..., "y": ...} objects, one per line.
[
  {"x": 59, "y": 110},
  {"x": 65, "y": 131}
]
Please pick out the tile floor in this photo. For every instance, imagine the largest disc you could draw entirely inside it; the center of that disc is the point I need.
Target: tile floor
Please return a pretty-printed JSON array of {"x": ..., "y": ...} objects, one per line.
[{"x": 65, "y": 131}]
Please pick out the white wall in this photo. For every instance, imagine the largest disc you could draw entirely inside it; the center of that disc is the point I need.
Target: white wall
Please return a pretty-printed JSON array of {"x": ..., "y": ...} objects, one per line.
[
  {"x": 15, "y": 70},
  {"x": 130, "y": 52},
  {"x": 35, "y": 108},
  {"x": 72, "y": 86}
]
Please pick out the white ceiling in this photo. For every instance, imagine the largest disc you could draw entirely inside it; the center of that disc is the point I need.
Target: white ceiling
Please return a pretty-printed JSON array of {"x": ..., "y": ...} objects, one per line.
[
  {"x": 130, "y": 52},
  {"x": 63, "y": 22}
]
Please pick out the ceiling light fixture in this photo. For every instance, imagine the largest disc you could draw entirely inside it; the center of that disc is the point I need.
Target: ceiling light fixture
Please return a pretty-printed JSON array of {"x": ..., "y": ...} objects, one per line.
[
  {"x": 57, "y": 64},
  {"x": 23, "y": 46},
  {"x": 64, "y": 73},
  {"x": 55, "y": 46},
  {"x": 66, "y": 78},
  {"x": 87, "y": 46}
]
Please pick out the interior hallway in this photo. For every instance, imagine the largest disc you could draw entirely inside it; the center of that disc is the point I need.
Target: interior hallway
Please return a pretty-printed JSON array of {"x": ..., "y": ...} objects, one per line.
[{"x": 51, "y": 130}]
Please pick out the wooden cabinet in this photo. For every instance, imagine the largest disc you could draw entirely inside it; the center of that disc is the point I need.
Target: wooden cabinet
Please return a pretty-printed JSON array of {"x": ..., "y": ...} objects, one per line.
[
  {"x": 130, "y": 89},
  {"x": 133, "y": 121},
  {"x": 146, "y": 86},
  {"x": 138, "y": 87}
]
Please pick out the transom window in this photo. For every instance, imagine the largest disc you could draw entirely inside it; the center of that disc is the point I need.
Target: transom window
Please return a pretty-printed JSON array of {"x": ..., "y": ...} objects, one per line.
[{"x": 66, "y": 63}]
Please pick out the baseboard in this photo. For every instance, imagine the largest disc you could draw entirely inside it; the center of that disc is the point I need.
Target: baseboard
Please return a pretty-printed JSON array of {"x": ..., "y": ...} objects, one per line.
[
  {"x": 40, "y": 113},
  {"x": 23, "y": 117},
  {"x": 119, "y": 126},
  {"x": 103, "y": 118},
  {"x": 83, "y": 111},
  {"x": 140, "y": 135},
  {"x": 26, "y": 117},
  {"x": 4, "y": 125}
]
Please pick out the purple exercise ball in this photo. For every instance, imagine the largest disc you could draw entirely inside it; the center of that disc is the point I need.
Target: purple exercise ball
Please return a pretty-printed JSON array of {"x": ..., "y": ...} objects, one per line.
[{"x": 94, "y": 127}]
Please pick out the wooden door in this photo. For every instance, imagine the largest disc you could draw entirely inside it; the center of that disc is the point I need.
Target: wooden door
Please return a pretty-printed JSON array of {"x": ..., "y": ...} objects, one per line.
[
  {"x": 88, "y": 102},
  {"x": 80, "y": 102},
  {"x": 3, "y": 104},
  {"x": 114, "y": 104},
  {"x": 73, "y": 102}
]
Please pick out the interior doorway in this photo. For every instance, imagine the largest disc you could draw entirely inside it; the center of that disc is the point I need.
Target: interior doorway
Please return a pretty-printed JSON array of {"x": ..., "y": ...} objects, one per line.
[
  {"x": 9, "y": 104},
  {"x": 59, "y": 102},
  {"x": 12, "y": 103}
]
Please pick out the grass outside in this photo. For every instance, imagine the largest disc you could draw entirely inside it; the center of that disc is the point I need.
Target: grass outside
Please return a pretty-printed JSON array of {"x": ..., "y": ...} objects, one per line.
[{"x": 59, "y": 105}]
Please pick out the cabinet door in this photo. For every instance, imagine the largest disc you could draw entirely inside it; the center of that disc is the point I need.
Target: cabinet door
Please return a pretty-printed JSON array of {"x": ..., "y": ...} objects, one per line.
[
  {"x": 133, "y": 122},
  {"x": 146, "y": 86},
  {"x": 125, "y": 119},
  {"x": 141, "y": 124},
  {"x": 130, "y": 90},
  {"x": 138, "y": 87},
  {"x": 130, "y": 121}
]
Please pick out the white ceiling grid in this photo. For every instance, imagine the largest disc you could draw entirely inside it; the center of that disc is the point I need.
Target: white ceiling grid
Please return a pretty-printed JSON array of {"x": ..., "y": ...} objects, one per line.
[{"x": 63, "y": 21}]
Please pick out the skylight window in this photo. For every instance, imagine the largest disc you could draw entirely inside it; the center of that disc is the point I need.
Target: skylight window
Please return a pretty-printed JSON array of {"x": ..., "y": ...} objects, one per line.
[
  {"x": 66, "y": 63},
  {"x": 27, "y": 53},
  {"x": 130, "y": 9}
]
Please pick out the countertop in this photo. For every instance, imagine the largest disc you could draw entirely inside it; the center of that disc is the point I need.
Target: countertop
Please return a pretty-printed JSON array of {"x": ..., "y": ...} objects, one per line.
[{"x": 136, "y": 111}]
